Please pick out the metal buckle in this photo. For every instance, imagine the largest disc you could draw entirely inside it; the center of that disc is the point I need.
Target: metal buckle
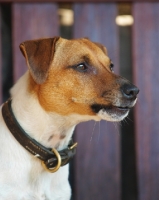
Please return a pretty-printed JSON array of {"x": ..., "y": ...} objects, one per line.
[
  {"x": 73, "y": 146},
  {"x": 52, "y": 170}
]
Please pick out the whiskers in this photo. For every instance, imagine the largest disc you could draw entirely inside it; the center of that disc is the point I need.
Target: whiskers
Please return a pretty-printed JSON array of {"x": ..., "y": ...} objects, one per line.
[
  {"x": 101, "y": 131},
  {"x": 127, "y": 121},
  {"x": 93, "y": 131},
  {"x": 117, "y": 126},
  {"x": 98, "y": 131}
]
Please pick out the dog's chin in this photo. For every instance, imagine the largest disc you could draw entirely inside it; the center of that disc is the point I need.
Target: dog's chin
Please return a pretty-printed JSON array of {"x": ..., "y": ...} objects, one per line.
[{"x": 110, "y": 113}]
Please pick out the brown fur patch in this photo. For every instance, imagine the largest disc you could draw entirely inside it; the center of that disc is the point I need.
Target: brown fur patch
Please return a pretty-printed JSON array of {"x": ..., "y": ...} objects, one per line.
[
  {"x": 50, "y": 138},
  {"x": 66, "y": 90},
  {"x": 62, "y": 136}
]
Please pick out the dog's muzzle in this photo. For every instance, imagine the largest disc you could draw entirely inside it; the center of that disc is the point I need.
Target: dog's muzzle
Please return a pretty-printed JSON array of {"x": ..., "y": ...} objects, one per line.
[{"x": 119, "y": 104}]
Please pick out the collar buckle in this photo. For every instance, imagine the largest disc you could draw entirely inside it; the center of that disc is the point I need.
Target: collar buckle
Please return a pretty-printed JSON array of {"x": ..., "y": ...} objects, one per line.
[
  {"x": 52, "y": 170},
  {"x": 59, "y": 159},
  {"x": 73, "y": 146}
]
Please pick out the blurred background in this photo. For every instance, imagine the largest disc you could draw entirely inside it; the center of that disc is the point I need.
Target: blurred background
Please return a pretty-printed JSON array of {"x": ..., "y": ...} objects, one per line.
[{"x": 114, "y": 161}]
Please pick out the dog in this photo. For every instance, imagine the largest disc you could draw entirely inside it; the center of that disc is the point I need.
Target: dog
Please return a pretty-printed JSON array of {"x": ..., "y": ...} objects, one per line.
[{"x": 67, "y": 82}]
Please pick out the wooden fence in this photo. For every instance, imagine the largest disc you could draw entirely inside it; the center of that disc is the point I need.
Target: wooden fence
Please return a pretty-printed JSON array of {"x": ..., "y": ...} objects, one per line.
[{"x": 97, "y": 165}]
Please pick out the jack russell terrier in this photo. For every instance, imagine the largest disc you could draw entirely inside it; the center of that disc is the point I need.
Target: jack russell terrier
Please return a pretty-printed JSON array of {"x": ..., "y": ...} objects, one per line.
[{"x": 67, "y": 82}]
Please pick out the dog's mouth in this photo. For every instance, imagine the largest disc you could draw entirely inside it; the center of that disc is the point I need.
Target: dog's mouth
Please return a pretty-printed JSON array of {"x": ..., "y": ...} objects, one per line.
[{"x": 111, "y": 112}]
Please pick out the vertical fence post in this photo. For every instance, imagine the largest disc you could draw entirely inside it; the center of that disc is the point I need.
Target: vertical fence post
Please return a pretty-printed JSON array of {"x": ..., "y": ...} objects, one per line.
[
  {"x": 0, "y": 61},
  {"x": 146, "y": 73},
  {"x": 97, "y": 162},
  {"x": 31, "y": 21}
]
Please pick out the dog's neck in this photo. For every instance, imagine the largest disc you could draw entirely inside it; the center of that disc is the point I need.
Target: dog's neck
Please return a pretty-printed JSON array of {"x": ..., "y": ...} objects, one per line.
[{"x": 49, "y": 129}]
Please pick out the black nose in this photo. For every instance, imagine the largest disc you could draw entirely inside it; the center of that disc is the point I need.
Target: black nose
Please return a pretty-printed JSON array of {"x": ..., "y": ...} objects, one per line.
[{"x": 129, "y": 91}]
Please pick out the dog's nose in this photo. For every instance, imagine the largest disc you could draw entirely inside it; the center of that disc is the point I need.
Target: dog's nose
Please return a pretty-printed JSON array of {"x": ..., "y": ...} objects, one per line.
[{"x": 129, "y": 91}]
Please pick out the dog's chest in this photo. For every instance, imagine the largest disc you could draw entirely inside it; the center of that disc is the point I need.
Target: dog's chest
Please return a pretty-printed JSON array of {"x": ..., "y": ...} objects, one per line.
[
  {"x": 50, "y": 186},
  {"x": 22, "y": 176},
  {"x": 44, "y": 187}
]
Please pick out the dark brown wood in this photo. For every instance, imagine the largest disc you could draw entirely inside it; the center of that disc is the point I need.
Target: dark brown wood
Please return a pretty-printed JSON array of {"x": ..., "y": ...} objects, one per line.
[
  {"x": 31, "y": 21},
  {"x": 146, "y": 72},
  {"x": 79, "y": 1},
  {"x": 97, "y": 163},
  {"x": 0, "y": 63}
]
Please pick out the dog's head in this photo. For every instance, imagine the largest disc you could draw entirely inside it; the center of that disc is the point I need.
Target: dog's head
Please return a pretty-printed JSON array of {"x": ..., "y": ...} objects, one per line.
[{"x": 76, "y": 77}]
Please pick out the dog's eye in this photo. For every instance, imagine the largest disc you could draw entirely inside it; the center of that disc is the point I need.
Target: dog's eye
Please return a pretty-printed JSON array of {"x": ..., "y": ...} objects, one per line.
[
  {"x": 111, "y": 67},
  {"x": 81, "y": 67}
]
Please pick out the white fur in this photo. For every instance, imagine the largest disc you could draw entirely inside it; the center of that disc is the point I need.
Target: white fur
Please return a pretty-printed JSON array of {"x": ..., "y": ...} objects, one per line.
[
  {"x": 113, "y": 117},
  {"x": 22, "y": 176}
]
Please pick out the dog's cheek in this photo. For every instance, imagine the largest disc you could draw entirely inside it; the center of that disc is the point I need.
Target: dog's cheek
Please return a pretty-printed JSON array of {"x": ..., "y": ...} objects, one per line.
[
  {"x": 64, "y": 96},
  {"x": 63, "y": 106}
]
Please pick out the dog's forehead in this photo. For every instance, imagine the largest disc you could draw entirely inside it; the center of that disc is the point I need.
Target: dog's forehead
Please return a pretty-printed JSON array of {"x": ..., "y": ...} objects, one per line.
[
  {"x": 80, "y": 44},
  {"x": 79, "y": 49}
]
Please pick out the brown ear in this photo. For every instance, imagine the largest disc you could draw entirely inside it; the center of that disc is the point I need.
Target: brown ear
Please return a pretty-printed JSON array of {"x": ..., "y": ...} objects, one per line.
[
  {"x": 102, "y": 47},
  {"x": 39, "y": 55}
]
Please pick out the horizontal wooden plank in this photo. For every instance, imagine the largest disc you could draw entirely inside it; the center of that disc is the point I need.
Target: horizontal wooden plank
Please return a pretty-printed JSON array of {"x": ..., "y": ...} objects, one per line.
[
  {"x": 74, "y": 1},
  {"x": 97, "y": 163},
  {"x": 146, "y": 72},
  {"x": 31, "y": 21}
]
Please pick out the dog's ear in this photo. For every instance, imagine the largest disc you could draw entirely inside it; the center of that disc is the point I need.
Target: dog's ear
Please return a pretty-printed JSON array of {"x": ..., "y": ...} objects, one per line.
[
  {"x": 39, "y": 55},
  {"x": 102, "y": 47}
]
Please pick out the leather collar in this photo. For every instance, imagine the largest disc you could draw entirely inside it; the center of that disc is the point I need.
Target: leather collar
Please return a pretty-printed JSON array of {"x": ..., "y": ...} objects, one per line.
[{"x": 51, "y": 158}]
